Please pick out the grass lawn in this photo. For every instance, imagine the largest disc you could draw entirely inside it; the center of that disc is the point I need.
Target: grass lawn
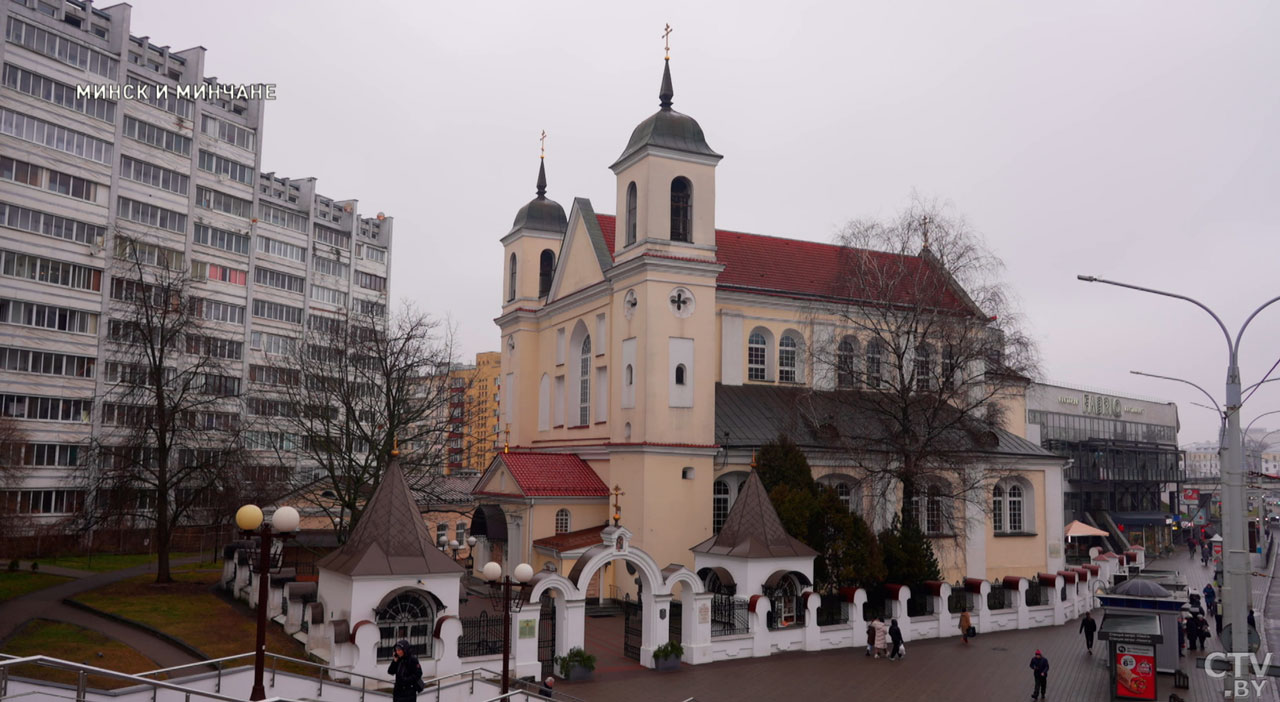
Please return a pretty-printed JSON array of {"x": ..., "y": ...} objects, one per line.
[
  {"x": 188, "y": 610},
  {"x": 106, "y": 561},
  {"x": 72, "y": 643},
  {"x": 16, "y": 583}
]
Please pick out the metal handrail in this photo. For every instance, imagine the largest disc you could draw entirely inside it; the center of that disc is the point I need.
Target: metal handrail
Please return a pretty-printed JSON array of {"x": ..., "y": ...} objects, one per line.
[
  {"x": 86, "y": 670},
  {"x": 274, "y": 657}
]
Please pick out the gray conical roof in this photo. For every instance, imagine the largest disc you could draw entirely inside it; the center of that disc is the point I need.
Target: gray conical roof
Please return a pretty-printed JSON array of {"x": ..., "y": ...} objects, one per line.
[
  {"x": 667, "y": 128},
  {"x": 541, "y": 213},
  {"x": 1139, "y": 587},
  {"x": 753, "y": 529},
  {"x": 390, "y": 538}
]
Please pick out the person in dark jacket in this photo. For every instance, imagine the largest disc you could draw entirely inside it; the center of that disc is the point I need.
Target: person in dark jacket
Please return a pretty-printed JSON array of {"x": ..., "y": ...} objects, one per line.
[
  {"x": 1193, "y": 632},
  {"x": 1210, "y": 596},
  {"x": 871, "y": 638},
  {"x": 1202, "y": 628},
  {"x": 895, "y": 639},
  {"x": 407, "y": 671},
  {"x": 1253, "y": 623},
  {"x": 1089, "y": 626},
  {"x": 1191, "y": 546},
  {"x": 547, "y": 687},
  {"x": 1040, "y": 671},
  {"x": 1182, "y": 635}
]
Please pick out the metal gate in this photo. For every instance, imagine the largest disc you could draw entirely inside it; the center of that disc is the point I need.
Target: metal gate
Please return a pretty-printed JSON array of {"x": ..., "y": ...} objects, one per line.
[
  {"x": 676, "y": 615},
  {"x": 547, "y": 636},
  {"x": 632, "y": 628}
]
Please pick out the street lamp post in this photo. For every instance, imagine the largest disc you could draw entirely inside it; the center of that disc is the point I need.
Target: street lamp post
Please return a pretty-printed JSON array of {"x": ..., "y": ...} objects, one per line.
[
  {"x": 1236, "y": 589},
  {"x": 508, "y": 594},
  {"x": 285, "y": 521}
]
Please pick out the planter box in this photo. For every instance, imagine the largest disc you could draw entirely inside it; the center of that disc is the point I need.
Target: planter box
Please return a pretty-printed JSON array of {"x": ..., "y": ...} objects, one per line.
[
  {"x": 578, "y": 673},
  {"x": 666, "y": 665}
]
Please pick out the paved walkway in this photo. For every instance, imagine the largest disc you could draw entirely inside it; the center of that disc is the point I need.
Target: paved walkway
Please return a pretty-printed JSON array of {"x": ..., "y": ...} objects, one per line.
[
  {"x": 991, "y": 667},
  {"x": 47, "y": 604}
]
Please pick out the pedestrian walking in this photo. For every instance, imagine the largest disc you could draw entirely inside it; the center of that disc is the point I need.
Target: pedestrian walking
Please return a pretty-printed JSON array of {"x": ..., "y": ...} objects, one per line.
[
  {"x": 1089, "y": 626},
  {"x": 1039, "y": 671},
  {"x": 1204, "y": 554},
  {"x": 882, "y": 638},
  {"x": 966, "y": 623},
  {"x": 1202, "y": 627},
  {"x": 1253, "y": 623},
  {"x": 895, "y": 639},
  {"x": 1193, "y": 632},
  {"x": 871, "y": 638},
  {"x": 1210, "y": 595},
  {"x": 407, "y": 671}
]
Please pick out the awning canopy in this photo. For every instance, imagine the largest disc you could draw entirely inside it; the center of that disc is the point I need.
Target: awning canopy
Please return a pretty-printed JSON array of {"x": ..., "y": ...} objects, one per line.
[
  {"x": 1079, "y": 528},
  {"x": 490, "y": 522}
]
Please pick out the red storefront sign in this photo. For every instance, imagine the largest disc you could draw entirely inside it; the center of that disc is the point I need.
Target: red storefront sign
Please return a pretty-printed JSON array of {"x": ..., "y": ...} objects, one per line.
[
  {"x": 1191, "y": 495},
  {"x": 1135, "y": 672}
]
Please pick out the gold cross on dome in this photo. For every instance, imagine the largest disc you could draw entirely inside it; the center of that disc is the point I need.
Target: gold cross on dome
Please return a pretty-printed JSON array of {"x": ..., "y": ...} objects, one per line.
[
  {"x": 666, "y": 39},
  {"x": 542, "y": 144},
  {"x": 617, "y": 508}
]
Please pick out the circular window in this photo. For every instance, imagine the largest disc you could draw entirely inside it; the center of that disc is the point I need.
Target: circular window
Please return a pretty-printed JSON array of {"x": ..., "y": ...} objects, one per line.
[
  {"x": 681, "y": 301},
  {"x": 629, "y": 303}
]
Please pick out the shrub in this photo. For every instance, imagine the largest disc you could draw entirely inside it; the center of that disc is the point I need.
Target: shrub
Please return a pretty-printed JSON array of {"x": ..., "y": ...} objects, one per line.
[
  {"x": 578, "y": 657},
  {"x": 670, "y": 649}
]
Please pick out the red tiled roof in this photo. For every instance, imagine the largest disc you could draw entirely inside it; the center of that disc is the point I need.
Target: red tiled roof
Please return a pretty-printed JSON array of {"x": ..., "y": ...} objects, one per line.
[
  {"x": 572, "y": 540},
  {"x": 791, "y": 267},
  {"x": 553, "y": 475}
]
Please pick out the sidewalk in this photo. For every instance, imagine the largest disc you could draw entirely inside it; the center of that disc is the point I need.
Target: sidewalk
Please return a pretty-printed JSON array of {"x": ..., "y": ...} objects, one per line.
[{"x": 47, "y": 604}]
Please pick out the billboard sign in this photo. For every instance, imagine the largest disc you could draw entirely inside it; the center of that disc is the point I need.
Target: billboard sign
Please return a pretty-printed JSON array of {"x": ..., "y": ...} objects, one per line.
[
  {"x": 1191, "y": 495},
  {"x": 1135, "y": 672}
]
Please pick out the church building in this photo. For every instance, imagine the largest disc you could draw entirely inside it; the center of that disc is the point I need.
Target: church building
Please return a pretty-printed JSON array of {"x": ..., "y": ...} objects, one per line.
[{"x": 646, "y": 355}]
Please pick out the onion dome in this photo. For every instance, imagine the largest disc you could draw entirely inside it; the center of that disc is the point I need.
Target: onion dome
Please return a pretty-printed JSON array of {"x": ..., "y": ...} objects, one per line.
[
  {"x": 541, "y": 213},
  {"x": 668, "y": 129}
]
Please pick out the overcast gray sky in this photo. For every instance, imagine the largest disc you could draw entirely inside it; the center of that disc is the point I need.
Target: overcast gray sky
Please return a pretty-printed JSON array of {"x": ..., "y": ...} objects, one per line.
[{"x": 1137, "y": 141}]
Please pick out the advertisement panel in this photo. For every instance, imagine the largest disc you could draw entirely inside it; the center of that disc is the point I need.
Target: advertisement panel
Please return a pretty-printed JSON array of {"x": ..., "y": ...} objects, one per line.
[
  {"x": 1135, "y": 672},
  {"x": 1191, "y": 495}
]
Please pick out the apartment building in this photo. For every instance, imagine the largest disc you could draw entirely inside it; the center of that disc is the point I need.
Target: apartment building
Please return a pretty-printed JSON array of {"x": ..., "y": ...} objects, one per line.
[
  {"x": 144, "y": 173},
  {"x": 475, "y": 434}
]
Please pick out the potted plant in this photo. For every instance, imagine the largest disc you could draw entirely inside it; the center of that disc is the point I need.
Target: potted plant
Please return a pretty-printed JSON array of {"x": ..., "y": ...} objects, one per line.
[
  {"x": 576, "y": 665},
  {"x": 667, "y": 656}
]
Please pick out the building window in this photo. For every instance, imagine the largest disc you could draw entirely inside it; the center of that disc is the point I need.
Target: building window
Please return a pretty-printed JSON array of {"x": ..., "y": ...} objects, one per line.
[
  {"x": 629, "y": 376},
  {"x": 949, "y": 367},
  {"x": 997, "y": 509},
  {"x": 460, "y": 533},
  {"x": 681, "y": 209},
  {"x": 546, "y": 269},
  {"x": 719, "y": 505},
  {"x": 631, "y": 214},
  {"x": 511, "y": 285},
  {"x": 1015, "y": 508},
  {"x": 680, "y": 374},
  {"x": 584, "y": 383},
  {"x": 924, "y": 367},
  {"x": 562, "y": 521},
  {"x": 788, "y": 359},
  {"x": 686, "y": 473},
  {"x": 409, "y": 617},
  {"x": 757, "y": 354},
  {"x": 1012, "y": 509},
  {"x": 930, "y": 509},
  {"x": 874, "y": 357},
  {"x": 442, "y": 533}
]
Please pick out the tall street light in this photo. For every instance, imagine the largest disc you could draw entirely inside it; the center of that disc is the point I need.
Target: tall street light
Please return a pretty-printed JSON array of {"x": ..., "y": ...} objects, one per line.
[
  {"x": 1236, "y": 589},
  {"x": 285, "y": 521},
  {"x": 509, "y": 595}
]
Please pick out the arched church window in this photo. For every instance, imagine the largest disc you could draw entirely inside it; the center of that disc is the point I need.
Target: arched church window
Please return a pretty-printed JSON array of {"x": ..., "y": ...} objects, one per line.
[
  {"x": 924, "y": 367},
  {"x": 629, "y": 375},
  {"x": 719, "y": 505},
  {"x": 584, "y": 383},
  {"x": 680, "y": 374},
  {"x": 562, "y": 521},
  {"x": 872, "y": 368},
  {"x": 757, "y": 356},
  {"x": 442, "y": 533},
  {"x": 788, "y": 359},
  {"x": 511, "y": 284},
  {"x": 631, "y": 214},
  {"x": 546, "y": 269},
  {"x": 681, "y": 209},
  {"x": 1015, "y": 508},
  {"x": 846, "y": 364},
  {"x": 997, "y": 508},
  {"x": 408, "y": 616}
]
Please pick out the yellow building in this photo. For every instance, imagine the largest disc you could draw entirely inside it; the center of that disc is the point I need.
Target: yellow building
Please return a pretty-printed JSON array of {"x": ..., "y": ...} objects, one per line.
[
  {"x": 475, "y": 433},
  {"x": 662, "y": 352}
]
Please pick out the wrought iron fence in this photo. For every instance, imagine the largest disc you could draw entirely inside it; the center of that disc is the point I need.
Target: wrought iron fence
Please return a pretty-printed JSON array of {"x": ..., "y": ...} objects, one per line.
[
  {"x": 999, "y": 598},
  {"x": 920, "y": 605},
  {"x": 831, "y": 610},
  {"x": 879, "y": 607},
  {"x": 1038, "y": 595},
  {"x": 481, "y": 636},
  {"x": 958, "y": 601},
  {"x": 729, "y": 616}
]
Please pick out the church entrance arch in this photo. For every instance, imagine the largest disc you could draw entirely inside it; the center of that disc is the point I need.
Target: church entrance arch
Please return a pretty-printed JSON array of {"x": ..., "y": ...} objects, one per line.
[{"x": 643, "y": 597}]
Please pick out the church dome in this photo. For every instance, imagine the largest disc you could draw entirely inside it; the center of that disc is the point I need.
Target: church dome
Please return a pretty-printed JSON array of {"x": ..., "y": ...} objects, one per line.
[
  {"x": 541, "y": 213},
  {"x": 667, "y": 128}
]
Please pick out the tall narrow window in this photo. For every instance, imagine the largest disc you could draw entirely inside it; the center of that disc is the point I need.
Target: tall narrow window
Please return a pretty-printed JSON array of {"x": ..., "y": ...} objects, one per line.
[
  {"x": 719, "y": 505},
  {"x": 949, "y": 367},
  {"x": 584, "y": 383},
  {"x": 846, "y": 364},
  {"x": 924, "y": 367},
  {"x": 562, "y": 521},
  {"x": 1015, "y": 508},
  {"x": 546, "y": 268},
  {"x": 997, "y": 509},
  {"x": 511, "y": 285},
  {"x": 787, "y": 348},
  {"x": 757, "y": 350},
  {"x": 631, "y": 214},
  {"x": 874, "y": 357},
  {"x": 680, "y": 374},
  {"x": 681, "y": 209}
]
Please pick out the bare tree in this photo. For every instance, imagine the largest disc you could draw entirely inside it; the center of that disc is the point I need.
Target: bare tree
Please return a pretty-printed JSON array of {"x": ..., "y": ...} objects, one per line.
[
  {"x": 352, "y": 390},
  {"x": 923, "y": 348},
  {"x": 169, "y": 450},
  {"x": 13, "y": 446}
]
